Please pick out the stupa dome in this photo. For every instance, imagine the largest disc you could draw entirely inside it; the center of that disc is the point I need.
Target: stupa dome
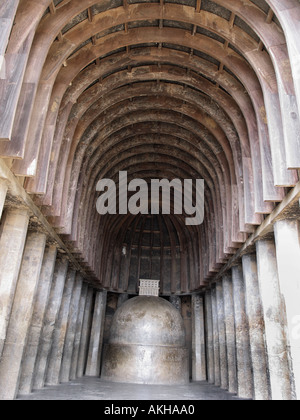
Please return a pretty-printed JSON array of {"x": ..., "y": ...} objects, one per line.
[
  {"x": 147, "y": 344},
  {"x": 148, "y": 320}
]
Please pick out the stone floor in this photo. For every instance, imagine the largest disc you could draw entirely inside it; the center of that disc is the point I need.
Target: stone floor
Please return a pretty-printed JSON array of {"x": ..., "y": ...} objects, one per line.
[{"x": 95, "y": 389}]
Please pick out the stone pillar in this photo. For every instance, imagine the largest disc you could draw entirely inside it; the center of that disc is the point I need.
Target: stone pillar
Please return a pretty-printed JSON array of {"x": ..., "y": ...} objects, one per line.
[
  {"x": 21, "y": 314},
  {"x": 12, "y": 241},
  {"x": 274, "y": 317},
  {"x": 209, "y": 338},
  {"x": 256, "y": 328},
  {"x": 287, "y": 236},
  {"x": 222, "y": 336},
  {"x": 122, "y": 299},
  {"x": 216, "y": 336},
  {"x": 71, "y": 330},
  {"x": 176, "y": 301},
  {"x": 3, "y": 192},
  {"x": 78, "y": 333},
  {"x": 198, "y": 340},
  {"x": 244, "y": 371},
  {"x": 230, "y": 334},
  {"x": 51, "y": 315},
  {"x": 84, "y": 340},
  {"x": 60, "y": 330},
  {"x": 96, "y": 340},
  {"x": 41, "y": 301}
]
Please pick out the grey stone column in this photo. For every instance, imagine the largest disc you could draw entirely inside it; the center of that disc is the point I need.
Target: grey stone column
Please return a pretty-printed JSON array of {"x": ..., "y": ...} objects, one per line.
[
  {"x": 209, "y": 338},
  {"x": 96, "y": 340},
  {"x": 244, "y": 368},
  {"x": 198, "y": 339},
  {"x": 256, "y": 328},
  {"x": 54, "y": 302},
  {"x": 216, "y": 336},
  {"x": 287, "y": 236},
  {"x": 222, "y": 337},
  {"x": 60, "y": 330},
  {"x": 230, "y": 334},
  {"x": 274, "y": 317},
  {"x": 12, "y": 241},
  {"x": 71, "y": 330},
  {"x": 78, "y": 333},
  {"x": 122, "y": 299},
  {"x": 3, "y": 192},
  {"x": 21, "y": 314},
  {"x": 40, "y": 306},
  {"x": 176, "y": 302},
  {"x": 84, "y": 341}
]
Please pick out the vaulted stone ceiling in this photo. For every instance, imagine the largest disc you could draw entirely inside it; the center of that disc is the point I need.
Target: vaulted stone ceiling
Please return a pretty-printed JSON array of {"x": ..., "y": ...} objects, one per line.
[{"x": 161, "y": 89}]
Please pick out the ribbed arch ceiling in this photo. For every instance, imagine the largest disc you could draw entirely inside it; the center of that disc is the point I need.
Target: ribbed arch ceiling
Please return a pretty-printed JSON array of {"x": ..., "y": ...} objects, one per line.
[{"x": 161, "y": 89}]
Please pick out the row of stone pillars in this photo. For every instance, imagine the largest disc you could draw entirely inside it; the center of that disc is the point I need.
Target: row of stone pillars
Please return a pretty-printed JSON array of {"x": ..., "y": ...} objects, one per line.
[
  {"x": 51, "y": 321},
  {"x": 252, "y": 322}
]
